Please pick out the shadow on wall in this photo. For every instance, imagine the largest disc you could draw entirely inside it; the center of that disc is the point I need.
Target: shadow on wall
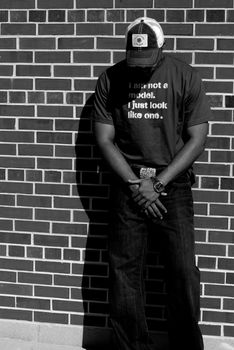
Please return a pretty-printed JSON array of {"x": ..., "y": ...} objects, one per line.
[{"x": 93, "y": 182}]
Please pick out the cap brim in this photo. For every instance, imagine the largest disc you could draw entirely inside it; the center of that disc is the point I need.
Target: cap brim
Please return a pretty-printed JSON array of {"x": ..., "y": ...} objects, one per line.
[{"x": 142, "y": 58}]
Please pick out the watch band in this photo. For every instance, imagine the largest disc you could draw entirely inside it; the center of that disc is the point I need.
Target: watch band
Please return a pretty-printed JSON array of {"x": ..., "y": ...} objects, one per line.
[{"x": 158, "y": 185}]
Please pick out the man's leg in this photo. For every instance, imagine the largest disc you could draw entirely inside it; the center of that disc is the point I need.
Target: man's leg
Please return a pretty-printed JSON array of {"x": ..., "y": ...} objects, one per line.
[
  {"x": 127, "y": 244},
  {"x": 182, "y": 275}
]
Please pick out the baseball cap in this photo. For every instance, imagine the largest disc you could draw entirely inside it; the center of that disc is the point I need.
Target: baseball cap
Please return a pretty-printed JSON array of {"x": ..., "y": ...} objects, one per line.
[{"x": 144, "y": 38}]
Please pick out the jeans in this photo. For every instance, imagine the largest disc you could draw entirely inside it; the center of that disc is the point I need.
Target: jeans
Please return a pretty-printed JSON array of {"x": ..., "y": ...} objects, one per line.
[{"x": 130, "y": 229}]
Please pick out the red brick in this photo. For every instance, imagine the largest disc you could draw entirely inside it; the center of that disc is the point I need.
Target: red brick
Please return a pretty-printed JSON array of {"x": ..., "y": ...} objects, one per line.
[
  {"x": 53, "y": 4},
  {"x": 115, "y": 15},
  {"x": 223, "y": 129},
  {"x": 8, "y": 149},
  {"x": 48, "y": 240},
  {"x": 36, "y": 124},
  {"x": 53, "y": 176},
  {"x": 53, "y": 254},
  {"x": 7, "y": 301},
  {"x": 215, "y": 15},
  {"x": 73, "y": 254},
  {"x": 221, "y": 236},
  {"x": 79, "y": 228},
  {"x": 174, "y": 3},
  {"x": 72, "y": 71},
  {"x": 134, "y": 14},
  {"x": 76, "y": 16},
  {"x": 226, "y": 264},
  {"x": 94, "y": 29},
  {"x": 16, "y": 84},
  {"x": 213, "y": 58},
  {"x": 175, "y": 16},
  {"x": 7, "y": 200},
  {"x": 212, "y": 169},
  {"x": 72, "y": 306},
  {"x": 5, "y": 71},
  {"x": 35, "y": 150},
  {"x": 52, "y": 57},
  {"x": 85, "y": 84},
  {"x": 210, "y": 182},
  {"x": 54, "y": 292},
  {"x": 19, "y": 213},
  {"x": 177, "y": 29},
  {"x": 35, "y": 278},
  {"x": 33, "y": 252},
  {"x": 195, "y": 15},
  {"x": 210, "y": 249},
  {"x": 94, "y": 4},
  {"x": 16, "y": 264},
  {"x": 228, "y": 331},
  {"x": 18, "y": 16},
  {"x": 195, "y": 44},
  {"x": 48, "y": 163},
  {"x": 60, "y": 138},
  {"x": 89, "y": 57},
  {"x": 6, "y": 225},
  {"x": 213, "y": 3},
  {"x": 224, "y": 73},
  {"x": 33, "y": 303},
  {"x": 37, "y": 43},
  {"x": 91, "y": 269},
  {"x": 7, "y": 276},
  {"x": 33, "y": 70},
  {"x": 225, "y": 317},
  {"x": 15, "y": 238},
  {"x": 218, "y": 142},
  {"x": 16, "y": 110},
  {"x": 218, "y": 86},
  {"x": 32, "y": 226},
  {"x": 210, "y": 196},
  {"x": 50, "y": 317},
  {"x": 49, "y": 266},
  {"x": 16, "y": 56},
  {"x": 55, "y": 111},
  {"x": 4, "y": 16},
  {"x": 36, "y": 97},
  {"x": 18, "y": 29},
  {"x": 53, "y": 84},
  {"x": 17, "y": 97},
  {"x": 17, "y": 4},
  {"x": 110, "y": 43},
  {"x": 56, "y": 29},
  {"x": 76, "y": 98},
  {"x": 95, "y": 15},
  {"x": 222, "y": 156},
  {"x": 34, "y": 201},
  {"x": 52, "y": 214},
  {"x": 54, "y": 98},
  {"x": 210, "y": 329},
  {"x": 16, "y": 251},
  {"x": 225, "y": 44},
  {"x": 16, "y": 187},
  {"x": 214, "y": 29},
  {"x": 8, "y": 43},
  {"x": 16, "y": 314},
  {"x": 56, "y": 15},
  {"x": 211, "y": 222},
  {"x": 37, "y": 16}
]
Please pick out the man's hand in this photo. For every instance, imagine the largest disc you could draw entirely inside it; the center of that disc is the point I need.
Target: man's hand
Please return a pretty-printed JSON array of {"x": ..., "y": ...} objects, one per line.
[{"x": 144, "y": 195}]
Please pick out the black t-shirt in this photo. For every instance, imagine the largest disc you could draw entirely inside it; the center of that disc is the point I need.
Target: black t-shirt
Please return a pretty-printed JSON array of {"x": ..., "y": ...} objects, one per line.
[{"x": 150, "y": 116}]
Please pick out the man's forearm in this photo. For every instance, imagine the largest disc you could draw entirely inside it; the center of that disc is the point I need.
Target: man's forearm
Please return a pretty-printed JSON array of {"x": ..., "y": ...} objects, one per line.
[
  {"x": 182, "y": 161},
  {"x": 116, "y": 161}
]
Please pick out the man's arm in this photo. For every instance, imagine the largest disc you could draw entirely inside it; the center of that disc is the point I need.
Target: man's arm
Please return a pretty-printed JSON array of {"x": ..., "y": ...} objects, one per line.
[
  {"x": 105, "y": 138},
  {"x": 188, "y": 154}
]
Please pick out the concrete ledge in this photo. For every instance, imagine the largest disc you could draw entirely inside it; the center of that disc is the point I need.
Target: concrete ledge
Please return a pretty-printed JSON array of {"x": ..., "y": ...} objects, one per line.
[{"x": 21, "y": 335}]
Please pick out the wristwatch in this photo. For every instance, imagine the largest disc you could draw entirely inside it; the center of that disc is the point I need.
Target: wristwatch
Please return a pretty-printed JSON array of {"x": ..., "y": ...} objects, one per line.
[{"x": 158, "y": 185}]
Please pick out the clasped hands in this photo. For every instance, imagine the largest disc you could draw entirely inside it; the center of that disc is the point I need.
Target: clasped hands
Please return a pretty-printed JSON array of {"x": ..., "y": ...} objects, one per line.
[{"x": 144, "y": 195}]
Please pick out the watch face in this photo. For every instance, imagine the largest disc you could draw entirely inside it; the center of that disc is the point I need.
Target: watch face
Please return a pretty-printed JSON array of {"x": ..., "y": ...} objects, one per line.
[{"x": 159, "y": 187}]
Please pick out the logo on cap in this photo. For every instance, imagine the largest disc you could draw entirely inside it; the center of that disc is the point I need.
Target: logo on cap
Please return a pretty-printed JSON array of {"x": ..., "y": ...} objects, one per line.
[{"x": 139, "y": 40}]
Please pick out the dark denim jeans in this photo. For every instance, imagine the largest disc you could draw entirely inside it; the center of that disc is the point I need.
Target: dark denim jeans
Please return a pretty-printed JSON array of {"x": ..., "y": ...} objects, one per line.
[{"x": 127, "y": 247}]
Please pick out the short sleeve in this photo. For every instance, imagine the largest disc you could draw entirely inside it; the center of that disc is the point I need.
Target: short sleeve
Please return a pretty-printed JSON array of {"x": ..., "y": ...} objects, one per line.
[
  {"x": 101, "y": 109},
  {"x": 197, "y": 108}
]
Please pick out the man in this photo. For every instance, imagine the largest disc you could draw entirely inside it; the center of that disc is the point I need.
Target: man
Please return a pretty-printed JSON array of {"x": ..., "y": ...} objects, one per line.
[{"x": 151, "y": 116}]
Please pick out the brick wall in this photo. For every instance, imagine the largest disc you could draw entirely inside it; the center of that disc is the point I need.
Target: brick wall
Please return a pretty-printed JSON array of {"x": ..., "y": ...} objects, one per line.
[{"x": 54, "y": 188}]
